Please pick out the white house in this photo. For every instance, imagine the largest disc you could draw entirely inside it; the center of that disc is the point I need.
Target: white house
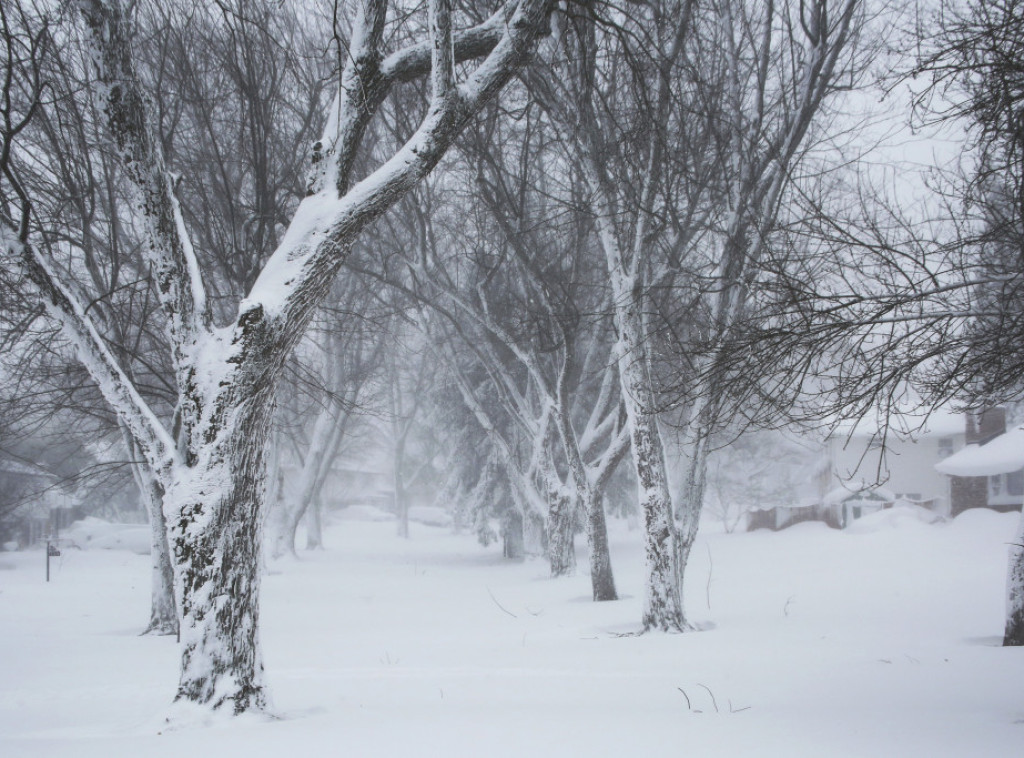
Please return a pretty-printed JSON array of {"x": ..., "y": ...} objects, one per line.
[
  {"x": 989, "y": 471},
  {"x": 876, "y": 470},
  {"x": 861, "y": 470}
]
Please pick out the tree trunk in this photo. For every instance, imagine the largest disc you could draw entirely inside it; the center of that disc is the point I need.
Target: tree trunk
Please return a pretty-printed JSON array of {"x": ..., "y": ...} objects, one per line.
[
  {"x": 216, "y": 512},
  {"x": 163, "y": 613},
  {"x": 513, "y": 540},
  {"x": 601, "y": 578},
  {"x": 323, "y": 449},
  {"x": 690, "y": 502},
  {"x": 1014, "y": 634},
  {"x": 314, "y": 525},
  {"x": 278, "y": 516},
  {"x": 534, "y": 535},
  {"x": 602, "y": 581},
  {"x": 401, "y": 503},
  {"x": 163, "y": 610},
  {"x": 662, "y": 604},
  {"x": 561, "y": 527}
]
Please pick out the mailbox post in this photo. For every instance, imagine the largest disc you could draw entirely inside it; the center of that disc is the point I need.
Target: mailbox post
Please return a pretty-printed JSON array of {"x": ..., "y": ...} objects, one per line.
[{"x": 51, "y": 552}]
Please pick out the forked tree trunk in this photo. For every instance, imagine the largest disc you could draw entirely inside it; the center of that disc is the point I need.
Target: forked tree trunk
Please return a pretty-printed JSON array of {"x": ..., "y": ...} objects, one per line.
[
  {"x": 323, "y": 449},
  {"x": 212, "y": 471},
  {"x": 601, "y": 578},
  {"x": 1014, "y": 633}
]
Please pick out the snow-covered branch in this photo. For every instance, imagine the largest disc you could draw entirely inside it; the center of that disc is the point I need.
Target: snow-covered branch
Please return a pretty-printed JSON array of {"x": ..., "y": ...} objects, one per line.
[
  {"x": 169, "y": 247},
  {"x": 67, "y": 310},
  {"x": 442, "y": 54},
  {"x": 295, "y": 278},
  {"x": 367, "y": 79}
]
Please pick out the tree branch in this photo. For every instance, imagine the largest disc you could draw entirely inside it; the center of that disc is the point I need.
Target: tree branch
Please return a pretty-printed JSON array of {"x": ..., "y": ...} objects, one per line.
[{"x": 178, "y": 276}]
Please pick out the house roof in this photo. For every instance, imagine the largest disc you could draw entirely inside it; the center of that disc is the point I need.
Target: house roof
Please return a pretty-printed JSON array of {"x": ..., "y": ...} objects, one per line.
[
  {"x": 939, "y": 423},
  {"x": 1001, "y": 455}
]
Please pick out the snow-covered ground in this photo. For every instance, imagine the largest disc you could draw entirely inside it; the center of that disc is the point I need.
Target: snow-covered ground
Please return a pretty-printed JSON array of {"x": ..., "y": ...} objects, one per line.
[{"x": 880, "y": 641}]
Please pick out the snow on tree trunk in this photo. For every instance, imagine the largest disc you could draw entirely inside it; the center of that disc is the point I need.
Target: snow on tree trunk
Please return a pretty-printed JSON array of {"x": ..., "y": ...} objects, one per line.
[
  {"x": 1014, "y": 634},
  {"x": 662, "y": 608},
  {"x": 215, "y": 510},
  {"x": 561, "y": 528},
  {"x": 163, "y": 613},
  {"x": 602, "y": 580},
  {"x": 163, "y": 609},
  {"x": 690, "y": 502}
]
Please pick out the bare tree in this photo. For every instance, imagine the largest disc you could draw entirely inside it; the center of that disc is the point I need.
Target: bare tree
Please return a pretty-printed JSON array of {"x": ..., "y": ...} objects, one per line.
[
  {"x": 719, "y": 102},
  {"x": 342, "y": 356},
  {"x": 516, "y": 294},
  {"x": 894, "y": 305},
  {"x": 212, "y": 463}
]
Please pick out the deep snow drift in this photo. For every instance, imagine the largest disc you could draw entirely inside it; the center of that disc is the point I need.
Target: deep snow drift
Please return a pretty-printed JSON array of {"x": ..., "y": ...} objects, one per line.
[{"x": 880, "y": 641}]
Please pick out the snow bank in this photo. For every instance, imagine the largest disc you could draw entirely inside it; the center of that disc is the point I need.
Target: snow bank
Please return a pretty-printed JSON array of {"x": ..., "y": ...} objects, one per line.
[
  {"x": 900, "y": 516},
  {"x": 431, "y": 515},
  {"x": 96, "y": 534},
  {"x": 363, "y": 513}
]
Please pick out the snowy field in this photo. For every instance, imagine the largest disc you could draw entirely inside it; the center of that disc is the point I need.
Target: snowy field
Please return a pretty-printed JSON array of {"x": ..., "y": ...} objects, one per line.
[{"x": 880, "y": 641}]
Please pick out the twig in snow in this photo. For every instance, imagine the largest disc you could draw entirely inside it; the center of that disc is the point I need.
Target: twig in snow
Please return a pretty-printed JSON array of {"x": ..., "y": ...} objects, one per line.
[
  {"x": 713, "y": 701},
  {"x": 499, "y": 604},
  {"x": 737, "y": 710},
  {"x": 785, "y": 608},
  {"x": 688, "y": 703}
]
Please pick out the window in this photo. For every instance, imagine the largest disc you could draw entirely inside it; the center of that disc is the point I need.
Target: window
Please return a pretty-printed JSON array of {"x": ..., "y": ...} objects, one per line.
[
  {"x": 995, "y": 485},
  {"x": 1015, "y": 483}
]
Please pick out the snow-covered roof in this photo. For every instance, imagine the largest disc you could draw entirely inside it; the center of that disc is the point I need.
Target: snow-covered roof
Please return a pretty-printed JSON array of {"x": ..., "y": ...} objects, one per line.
[
  {"x": 1001, "y": 455},
  {"x": 939, "y": 423}
]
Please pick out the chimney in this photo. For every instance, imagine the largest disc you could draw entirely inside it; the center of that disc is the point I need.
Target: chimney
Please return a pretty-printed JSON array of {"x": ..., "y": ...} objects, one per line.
[{"x": 983, "y": 426}]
